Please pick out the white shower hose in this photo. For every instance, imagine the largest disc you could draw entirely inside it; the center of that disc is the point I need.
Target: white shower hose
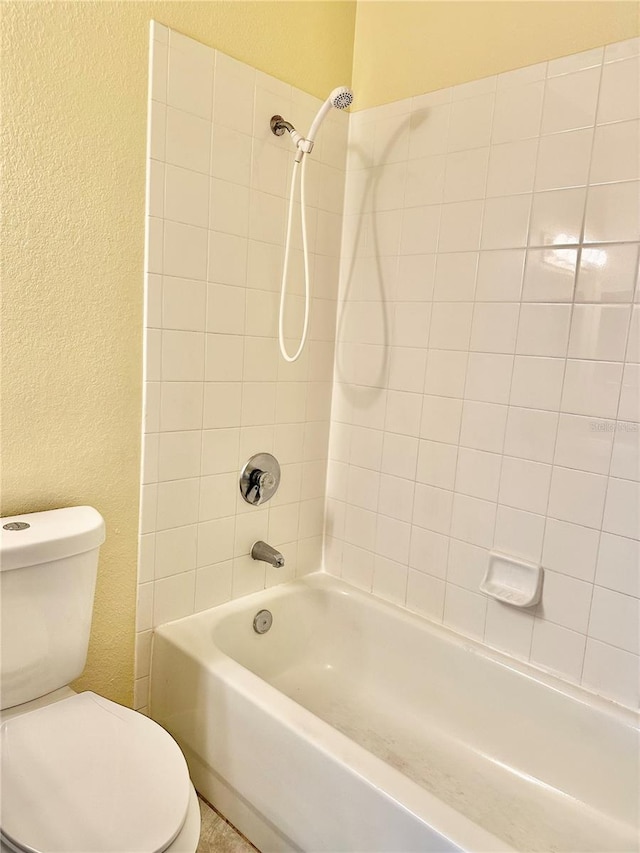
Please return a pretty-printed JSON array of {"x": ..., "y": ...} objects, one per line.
[{"x": 285, "y": 271}]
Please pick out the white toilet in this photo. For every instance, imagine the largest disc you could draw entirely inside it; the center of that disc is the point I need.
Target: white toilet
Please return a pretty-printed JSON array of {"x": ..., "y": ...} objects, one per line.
[{"x": 79, "y": 773}]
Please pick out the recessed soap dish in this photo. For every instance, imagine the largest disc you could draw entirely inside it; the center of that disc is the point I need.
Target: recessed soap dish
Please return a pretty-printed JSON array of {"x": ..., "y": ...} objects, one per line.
[{"x": 512, "y": 581}]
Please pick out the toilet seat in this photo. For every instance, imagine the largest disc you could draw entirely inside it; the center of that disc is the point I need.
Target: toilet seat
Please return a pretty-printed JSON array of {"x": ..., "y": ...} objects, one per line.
[{"x": 85, "y": 774}]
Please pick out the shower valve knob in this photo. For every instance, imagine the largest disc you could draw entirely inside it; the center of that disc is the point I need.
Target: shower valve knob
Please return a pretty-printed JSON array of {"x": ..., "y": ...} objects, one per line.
[
  {"x": 260, "y": 478},
  {"x": 261, "y": 482}
]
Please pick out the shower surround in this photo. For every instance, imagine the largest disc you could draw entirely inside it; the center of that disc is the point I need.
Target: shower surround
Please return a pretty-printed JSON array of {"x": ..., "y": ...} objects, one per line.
[
  {"x": 486, "y": 390},
  {"x": 216, "y": 390},
  {"x": 485, "y": 393}
]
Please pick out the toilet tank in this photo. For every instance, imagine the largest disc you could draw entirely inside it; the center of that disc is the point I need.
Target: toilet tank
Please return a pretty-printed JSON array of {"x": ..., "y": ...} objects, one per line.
[{"x": 48, "y": 568}]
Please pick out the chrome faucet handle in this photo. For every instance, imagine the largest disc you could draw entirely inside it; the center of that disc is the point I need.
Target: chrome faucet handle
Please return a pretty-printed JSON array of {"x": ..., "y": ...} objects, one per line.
[
  {"x": 260, "y": 482},
  {"x": 260, "y": 478}
]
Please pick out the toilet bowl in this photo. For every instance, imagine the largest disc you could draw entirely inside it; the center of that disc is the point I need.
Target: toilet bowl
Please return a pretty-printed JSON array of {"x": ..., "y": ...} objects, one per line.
[{"x": 79, "y": 773}]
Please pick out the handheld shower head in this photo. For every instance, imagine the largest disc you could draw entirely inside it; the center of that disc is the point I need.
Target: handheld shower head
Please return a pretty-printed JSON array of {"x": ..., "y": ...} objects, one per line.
[{"x": 339, "y": 99}]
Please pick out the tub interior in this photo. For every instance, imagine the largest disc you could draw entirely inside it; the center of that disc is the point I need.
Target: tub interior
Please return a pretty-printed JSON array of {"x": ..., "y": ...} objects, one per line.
[{"x": 538, "y": 767}]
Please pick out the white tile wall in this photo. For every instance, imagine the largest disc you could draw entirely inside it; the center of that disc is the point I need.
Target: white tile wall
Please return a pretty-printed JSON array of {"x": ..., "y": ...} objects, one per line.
[
  {"x": 216, "y": 390},
  {"x": 487, "y": 389}
]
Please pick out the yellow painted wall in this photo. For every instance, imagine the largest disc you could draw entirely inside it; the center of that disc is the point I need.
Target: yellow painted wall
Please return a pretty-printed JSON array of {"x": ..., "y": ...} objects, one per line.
[
  {"x": 74, "y": 88},
  {"x": 408, "y": 48}
]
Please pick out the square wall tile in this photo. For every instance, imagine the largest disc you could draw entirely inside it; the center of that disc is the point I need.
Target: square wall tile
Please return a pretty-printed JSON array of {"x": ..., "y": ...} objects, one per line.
[
  {"x": 619, "y": 91},
  {"x": 173, "y": 598},
  {"x": 629, "y": 408},
  {"x": 451, "y": 324},
  {"x": 531, "y": 434},
  {"x": 607, "y": 273},
  {"x": 512, "y": 168},
  {"x": 460, "y": 227},
  {"x": 489, "y": 377},
  {"x": 613, "y": 213},
  {"x": 557, "y": 649},
  {"x": 517, "y": 112},
  {"x": 473, "y": 520},
  {"x": 231, "y": 155},
  {"x": 550, "y": 275},
  {"x": 584, "y": 443},
  {"x": 470, "y": 122},
  {"x": 188, "y": 140},
  {"x": 508, "y": 629},
  {"x": 432, "y": 508},
  {"x": 466, "y": 175},
  {"x": 499, "y": 277},
  {"x": 185, "y": 66},
  {"x": 577, "y": 497},
  {"x": 570, "y": 101},
  {"x": 495, "y": 325},
  {"x": 556, "y": 217},
  {"x": 519, "y": 533},
  {"x": 478, "y": 474},
  {"x": 537, "y": 382},
  {"x": 455, "y": 277},
  {"x": 599, "y": 332},
  {"x": 616, "y": 153},
  {"x": 618, "y": 563},
  {"x": 429, "y": 552},
  {"x": 436, "y": 464},
  {"x": 524, "y": 484},
  {"x": 467, "y": 564},
  {"x": 544, "y": 330},
  {"x": 506, "y": 222},
  {"x": 483, "y": 426},
  {"x": 465, "y": 611},
  {"x": 441, "y": 419},
  {"x": 565, "y": 601},
  {"x": 563, "y": 160},
  {"x": 185, "y": 251},
  {"x": 625, "y": 459},
  {"x": 615, "y": 619},
  {"x": 622, "y": 508},
  {"x": 425, "y": 595},
  {"x": 591, "y": 388},
  {"x": 445, "y": 374},
  {"x": 611, "y": 672},
  {"x": 570, "y": 549}
]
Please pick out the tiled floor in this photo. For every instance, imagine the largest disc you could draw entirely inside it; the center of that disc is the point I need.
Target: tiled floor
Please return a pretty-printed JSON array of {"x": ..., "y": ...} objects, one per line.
[{"x": 218, "y": 836}]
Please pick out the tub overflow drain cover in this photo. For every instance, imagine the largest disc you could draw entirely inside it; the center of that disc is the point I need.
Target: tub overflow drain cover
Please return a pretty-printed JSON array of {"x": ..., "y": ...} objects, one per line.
[{"x": 262, "y": 621}]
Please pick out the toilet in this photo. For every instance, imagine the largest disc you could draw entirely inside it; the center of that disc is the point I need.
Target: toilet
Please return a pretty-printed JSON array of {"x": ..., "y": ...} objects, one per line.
[{"x": 79, "y": 773}]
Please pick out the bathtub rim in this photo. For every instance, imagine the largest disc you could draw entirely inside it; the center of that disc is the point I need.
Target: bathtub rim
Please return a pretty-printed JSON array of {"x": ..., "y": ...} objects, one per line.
[{"x": 325, "y": 581}]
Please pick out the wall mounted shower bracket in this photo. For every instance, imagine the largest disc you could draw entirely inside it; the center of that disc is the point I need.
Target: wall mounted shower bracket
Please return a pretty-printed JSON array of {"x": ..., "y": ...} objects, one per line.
[{"x": 280, "y": 126}]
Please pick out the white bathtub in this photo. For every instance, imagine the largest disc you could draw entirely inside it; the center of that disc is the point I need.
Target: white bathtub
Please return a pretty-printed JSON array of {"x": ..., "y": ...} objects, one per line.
[{"x": 354, "y": 726}]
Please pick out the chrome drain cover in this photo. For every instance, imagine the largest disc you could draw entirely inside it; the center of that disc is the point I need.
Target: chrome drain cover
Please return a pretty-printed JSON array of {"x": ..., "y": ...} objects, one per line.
[{"x": 262, "y": 621}]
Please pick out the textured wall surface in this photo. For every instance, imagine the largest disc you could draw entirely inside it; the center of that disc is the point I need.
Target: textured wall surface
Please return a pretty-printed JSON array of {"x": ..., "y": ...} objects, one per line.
[
  {"x": 74, "y": 100},
  {"x": 404, "y": 48}
]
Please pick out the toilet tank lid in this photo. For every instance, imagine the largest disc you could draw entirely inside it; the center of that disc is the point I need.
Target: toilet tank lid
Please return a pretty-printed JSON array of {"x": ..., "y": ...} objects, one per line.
[{"x": 51, "y": 535}]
